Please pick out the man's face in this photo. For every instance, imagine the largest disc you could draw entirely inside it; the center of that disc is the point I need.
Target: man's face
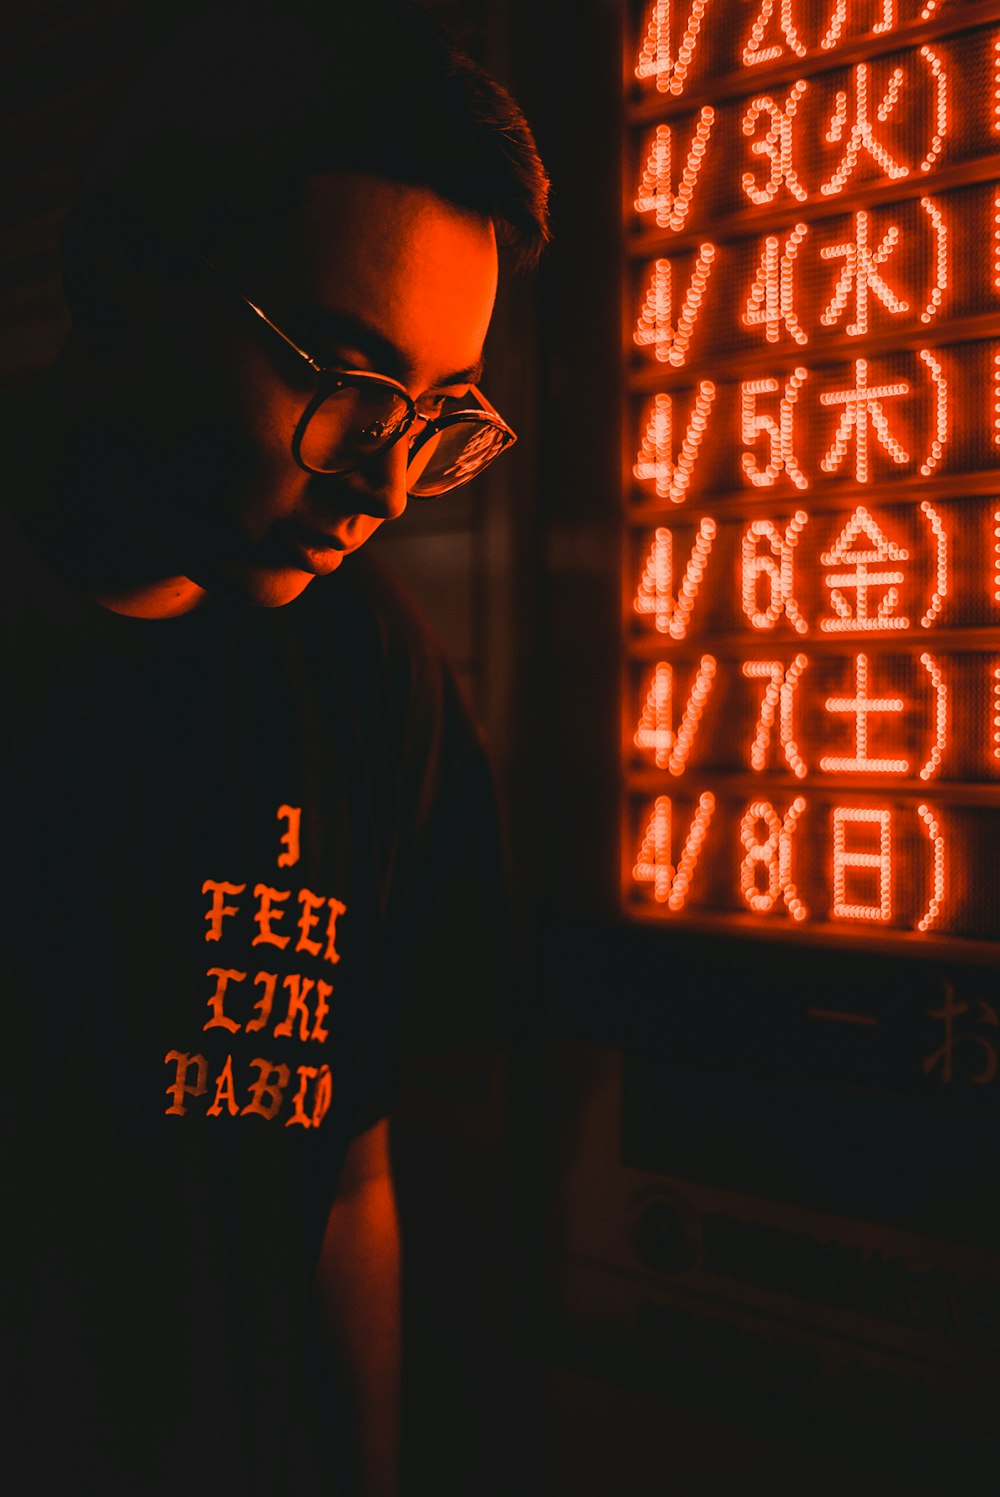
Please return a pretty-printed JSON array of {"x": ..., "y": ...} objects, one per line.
[{"x": 374, "y": 275}]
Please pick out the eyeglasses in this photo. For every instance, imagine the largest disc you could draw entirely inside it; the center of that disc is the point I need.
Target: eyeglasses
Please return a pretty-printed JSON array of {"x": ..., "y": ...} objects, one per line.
[{"x": 355, "y": 415}]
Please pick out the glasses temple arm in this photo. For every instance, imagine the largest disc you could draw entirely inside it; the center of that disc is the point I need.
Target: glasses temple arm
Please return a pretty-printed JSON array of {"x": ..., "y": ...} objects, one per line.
[{"x": 313, "y": 363}]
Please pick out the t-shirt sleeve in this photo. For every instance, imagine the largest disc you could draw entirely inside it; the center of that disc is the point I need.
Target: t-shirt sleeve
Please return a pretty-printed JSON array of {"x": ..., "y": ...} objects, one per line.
[{"x": 446, "y": 960}]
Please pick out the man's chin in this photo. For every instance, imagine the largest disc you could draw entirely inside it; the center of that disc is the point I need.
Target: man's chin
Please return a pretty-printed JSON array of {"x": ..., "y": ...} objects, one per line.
[
  {"x": 275, "y": 589},
  {"x": 261, "y": 587}
]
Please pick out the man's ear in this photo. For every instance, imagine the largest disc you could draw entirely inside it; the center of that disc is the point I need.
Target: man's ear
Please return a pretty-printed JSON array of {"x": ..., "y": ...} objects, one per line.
[{"x": 104, "y": 249}]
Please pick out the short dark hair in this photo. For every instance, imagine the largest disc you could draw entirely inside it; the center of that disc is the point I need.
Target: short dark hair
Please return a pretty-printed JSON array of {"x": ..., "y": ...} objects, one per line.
[{"x": 237, "y": 109}]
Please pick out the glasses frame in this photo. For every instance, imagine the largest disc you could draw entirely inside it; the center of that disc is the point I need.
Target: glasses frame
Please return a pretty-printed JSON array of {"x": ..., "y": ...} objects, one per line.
[{"x": 332, "y": 378}]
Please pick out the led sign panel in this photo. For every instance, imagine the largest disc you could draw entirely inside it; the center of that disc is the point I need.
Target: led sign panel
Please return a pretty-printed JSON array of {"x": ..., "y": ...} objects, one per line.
[{"x": 811, "y": 684}]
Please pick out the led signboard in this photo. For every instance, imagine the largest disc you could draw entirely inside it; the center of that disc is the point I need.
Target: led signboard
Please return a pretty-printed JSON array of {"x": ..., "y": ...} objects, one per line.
[{"x": 811, "y": 600}]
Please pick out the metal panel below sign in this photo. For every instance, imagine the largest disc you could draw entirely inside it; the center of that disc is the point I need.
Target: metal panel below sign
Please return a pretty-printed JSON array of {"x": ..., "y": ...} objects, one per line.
[{"x": 870, "y": 1348}]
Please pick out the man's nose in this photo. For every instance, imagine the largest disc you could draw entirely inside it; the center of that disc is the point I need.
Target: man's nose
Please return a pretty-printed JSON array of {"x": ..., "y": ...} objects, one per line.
[{"x": 382, "y": 482}]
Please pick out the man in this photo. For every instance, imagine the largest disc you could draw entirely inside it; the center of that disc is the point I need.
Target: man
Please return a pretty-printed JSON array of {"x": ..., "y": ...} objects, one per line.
[{"x": 247, "y": 814}]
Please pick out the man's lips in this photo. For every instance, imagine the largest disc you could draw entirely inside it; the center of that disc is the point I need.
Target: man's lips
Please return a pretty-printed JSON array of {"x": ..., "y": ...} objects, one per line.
[
  {"x": 320, "y": 540},
  {"x": 311, "y": 549}
]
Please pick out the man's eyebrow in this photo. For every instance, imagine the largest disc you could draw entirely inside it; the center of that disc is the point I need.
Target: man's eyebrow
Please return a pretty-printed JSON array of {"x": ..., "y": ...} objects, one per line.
[
  {"x": 470, "y": 375},
  {"x": 326, "y": 329}
]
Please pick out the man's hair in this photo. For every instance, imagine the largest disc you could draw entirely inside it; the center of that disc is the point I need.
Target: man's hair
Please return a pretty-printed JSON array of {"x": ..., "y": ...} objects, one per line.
[{"x": 224, "y": 124}]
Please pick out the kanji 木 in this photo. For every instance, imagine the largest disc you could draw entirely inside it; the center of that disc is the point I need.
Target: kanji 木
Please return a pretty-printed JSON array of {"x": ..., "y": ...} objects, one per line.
[{"x": 863, "y": 409}]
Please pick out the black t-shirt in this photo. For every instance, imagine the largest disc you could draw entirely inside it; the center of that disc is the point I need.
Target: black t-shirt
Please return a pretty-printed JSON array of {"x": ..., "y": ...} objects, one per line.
[{"x": 246, "y": 850}]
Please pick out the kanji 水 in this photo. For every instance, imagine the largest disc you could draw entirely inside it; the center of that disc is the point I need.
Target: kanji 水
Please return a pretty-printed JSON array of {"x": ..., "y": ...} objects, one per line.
[{"x": 861, "y": 272}]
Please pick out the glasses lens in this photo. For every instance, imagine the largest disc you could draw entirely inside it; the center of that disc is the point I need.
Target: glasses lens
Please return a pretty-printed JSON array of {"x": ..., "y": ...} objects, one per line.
[
  {"x": 452, "y": 456},
  {"x": 351, "y": 425}
]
